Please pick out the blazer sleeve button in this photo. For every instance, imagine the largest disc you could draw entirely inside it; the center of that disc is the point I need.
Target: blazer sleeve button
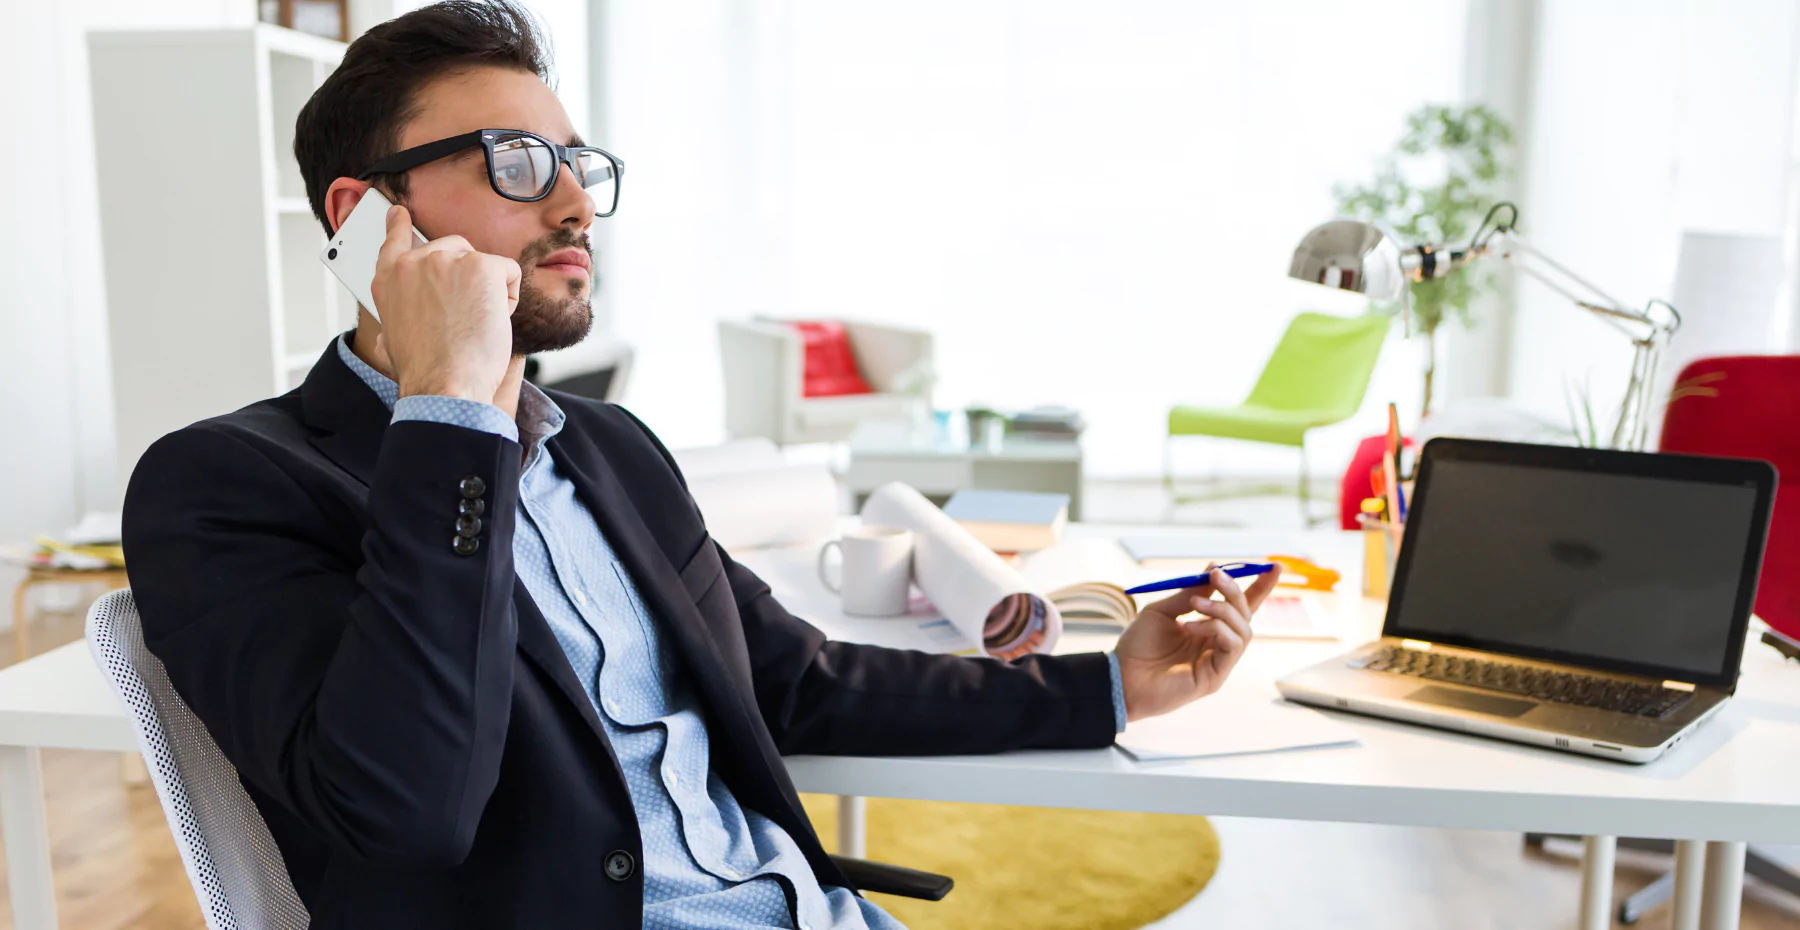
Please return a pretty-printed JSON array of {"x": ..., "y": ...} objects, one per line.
[
  {"x": 472, "y": 487},
  {"x": 476, "y": 506},
  {"x": 620, "y": 865},
  {"x": 465, "y": 545},
  {"x": 468, "y": 525}
]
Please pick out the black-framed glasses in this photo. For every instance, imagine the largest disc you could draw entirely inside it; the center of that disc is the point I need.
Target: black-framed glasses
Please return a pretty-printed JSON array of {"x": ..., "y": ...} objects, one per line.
[{"x": 522, "y": 166}]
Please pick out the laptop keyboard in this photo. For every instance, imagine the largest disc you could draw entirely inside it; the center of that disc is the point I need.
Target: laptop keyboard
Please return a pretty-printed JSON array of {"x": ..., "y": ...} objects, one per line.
[{"x": 1526, "y": 680}]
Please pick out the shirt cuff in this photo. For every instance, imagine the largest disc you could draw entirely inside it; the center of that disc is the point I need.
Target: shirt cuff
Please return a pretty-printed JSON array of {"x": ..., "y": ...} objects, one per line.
[
  {"x": 1118, "y": 691},
  {"x": 456, "y": 411}
]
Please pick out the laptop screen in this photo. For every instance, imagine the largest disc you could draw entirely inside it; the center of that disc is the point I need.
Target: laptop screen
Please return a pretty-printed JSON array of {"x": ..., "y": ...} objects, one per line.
[{"x": 1597, "y": 559}]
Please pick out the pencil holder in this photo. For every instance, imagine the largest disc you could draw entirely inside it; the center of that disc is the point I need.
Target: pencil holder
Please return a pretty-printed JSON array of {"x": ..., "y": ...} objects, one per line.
[{"x": 1381, "y": 550}]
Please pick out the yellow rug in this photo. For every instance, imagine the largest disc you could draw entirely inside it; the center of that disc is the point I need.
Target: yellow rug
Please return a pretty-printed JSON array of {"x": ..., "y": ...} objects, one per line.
[{"x": 1034, "y": 867}]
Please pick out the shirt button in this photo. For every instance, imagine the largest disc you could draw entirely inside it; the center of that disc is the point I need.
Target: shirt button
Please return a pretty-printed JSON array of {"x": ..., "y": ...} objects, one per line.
[
  {"x": 620, "y": 865},
  {"x": 580, "y": 598},
  {"x": 612, "y": 707},
  {"x": 471, "y": 487}
]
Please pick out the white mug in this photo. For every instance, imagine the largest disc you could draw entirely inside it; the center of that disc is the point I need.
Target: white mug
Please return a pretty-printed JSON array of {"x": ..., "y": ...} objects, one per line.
[{"x": 877, "y": 567}]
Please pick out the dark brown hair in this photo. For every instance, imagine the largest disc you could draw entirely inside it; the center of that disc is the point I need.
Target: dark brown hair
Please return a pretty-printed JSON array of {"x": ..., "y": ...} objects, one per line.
[{"x": 356, "y": 115}]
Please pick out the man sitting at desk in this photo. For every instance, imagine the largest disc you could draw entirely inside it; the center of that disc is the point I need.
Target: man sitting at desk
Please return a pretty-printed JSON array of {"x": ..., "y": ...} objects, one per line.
[{"x": 467, "y": 642}]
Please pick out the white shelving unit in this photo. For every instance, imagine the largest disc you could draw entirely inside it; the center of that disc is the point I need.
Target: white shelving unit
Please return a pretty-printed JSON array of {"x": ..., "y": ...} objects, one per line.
[{"x": 215, "y": 294}]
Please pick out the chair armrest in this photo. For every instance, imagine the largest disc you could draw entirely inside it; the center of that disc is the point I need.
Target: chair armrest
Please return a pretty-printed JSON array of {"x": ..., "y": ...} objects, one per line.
[
  {"x": 894, "y": 879},
  {"x": 762, "y": 365},
  {"x": 884, "y": 353}
]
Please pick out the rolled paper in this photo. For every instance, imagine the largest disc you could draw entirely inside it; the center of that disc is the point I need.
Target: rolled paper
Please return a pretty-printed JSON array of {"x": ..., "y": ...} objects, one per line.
[{"x": 982, "y": 596}]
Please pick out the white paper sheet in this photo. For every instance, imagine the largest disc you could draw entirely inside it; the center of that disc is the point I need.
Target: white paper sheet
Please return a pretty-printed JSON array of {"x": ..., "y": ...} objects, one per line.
[
  {"x": 754, "y": 454},
  {"x": 781, "y": 506},
  {"x": 1079, "y": 561},
  {"x": 1233, "y": 723},
  {"x": 962, "y": 577}
]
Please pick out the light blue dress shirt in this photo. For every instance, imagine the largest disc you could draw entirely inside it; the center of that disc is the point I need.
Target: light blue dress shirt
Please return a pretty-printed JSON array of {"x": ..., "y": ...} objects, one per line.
[{"x": 709, "y": 863}]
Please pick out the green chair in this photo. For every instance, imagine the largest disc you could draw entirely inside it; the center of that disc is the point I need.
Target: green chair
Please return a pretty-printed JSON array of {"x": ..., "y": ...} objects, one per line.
[{"x": 1317, "y": 377}]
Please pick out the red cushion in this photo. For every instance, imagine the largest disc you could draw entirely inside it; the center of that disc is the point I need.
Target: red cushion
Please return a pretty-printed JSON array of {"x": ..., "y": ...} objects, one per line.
[
  {"x": 1745, "y": 407},
  {"x": 830, "y": 364},
  {"x": 1355, "y": 486}
]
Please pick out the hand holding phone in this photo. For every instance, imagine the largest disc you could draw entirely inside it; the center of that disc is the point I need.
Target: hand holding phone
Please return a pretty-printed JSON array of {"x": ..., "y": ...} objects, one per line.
[
  {"x": 352, "y": 250},
  {"x": 447, "y": 324},
  {"x": 445, "y": 309}
]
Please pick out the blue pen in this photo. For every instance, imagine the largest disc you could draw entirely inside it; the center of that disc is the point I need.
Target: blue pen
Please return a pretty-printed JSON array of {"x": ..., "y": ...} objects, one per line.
[{"x": 1234, "y": 569}]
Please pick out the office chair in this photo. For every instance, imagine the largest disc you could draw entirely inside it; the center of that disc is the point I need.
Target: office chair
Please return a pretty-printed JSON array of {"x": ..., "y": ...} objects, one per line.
[
  {"x": 1316, "y": 377},
  {"x": 1740, "y": 407},
  {"x": 231, "y": 859}
]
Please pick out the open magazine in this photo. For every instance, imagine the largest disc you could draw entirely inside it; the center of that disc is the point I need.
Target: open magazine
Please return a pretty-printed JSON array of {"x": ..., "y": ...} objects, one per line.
[{"x": 1086, "y": 580}]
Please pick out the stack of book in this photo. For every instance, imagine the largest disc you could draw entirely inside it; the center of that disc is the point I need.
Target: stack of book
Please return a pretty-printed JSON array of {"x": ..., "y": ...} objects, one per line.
[
  {"x": 1048, "y": 423},
  {"x": 91, "y": 545},
  {"x": 1011, "y": 521}
]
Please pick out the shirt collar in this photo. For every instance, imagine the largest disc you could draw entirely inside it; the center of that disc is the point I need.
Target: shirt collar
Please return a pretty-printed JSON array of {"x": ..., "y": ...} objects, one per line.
[{"x": 539, "y": 417}]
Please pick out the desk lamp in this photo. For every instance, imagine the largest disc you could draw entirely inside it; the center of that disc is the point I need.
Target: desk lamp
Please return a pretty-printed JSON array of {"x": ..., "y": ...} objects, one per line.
[{"x": 1366, "y": 258}]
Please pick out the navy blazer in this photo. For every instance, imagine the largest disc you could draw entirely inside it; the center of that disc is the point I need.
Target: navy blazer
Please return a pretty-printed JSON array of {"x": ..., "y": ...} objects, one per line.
[{"x": 401, "y": 713}]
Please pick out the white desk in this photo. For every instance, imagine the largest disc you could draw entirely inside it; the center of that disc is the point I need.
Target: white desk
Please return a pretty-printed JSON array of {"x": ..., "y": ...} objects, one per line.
[
  {"x": 58, "y": 701},
  {"x": 1729, "y": 783}
]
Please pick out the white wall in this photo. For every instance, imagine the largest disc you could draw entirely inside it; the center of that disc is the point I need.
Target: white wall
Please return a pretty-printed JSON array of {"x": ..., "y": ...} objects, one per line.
[
  {"x": 1650, "y": 117},
  {"x": 1089, "y": 204},
  {"x": 55, "y": 388}
]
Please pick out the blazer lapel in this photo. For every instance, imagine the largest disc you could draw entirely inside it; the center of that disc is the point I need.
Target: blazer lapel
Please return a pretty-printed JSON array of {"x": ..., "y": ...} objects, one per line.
[
  {"x": 346, "y": 413},
  {"x": 657, "y": 578},
  {"x": 540, "y": 645}
]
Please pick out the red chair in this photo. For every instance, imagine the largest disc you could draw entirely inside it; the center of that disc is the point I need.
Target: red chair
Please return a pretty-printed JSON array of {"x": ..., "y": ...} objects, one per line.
[
  {"x": 1355, "y": 485},
  {"x": 1748, "y": 406},
  {"x": 1745, "y": 406}
]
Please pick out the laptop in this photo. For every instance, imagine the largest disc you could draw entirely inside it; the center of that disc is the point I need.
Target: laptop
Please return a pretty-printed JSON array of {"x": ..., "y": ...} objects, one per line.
[{"x": 1587, "y": 600}]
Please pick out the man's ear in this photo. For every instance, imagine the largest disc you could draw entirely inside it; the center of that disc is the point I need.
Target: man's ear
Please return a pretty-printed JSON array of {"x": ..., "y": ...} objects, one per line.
[{"x": 342, "y": 197}]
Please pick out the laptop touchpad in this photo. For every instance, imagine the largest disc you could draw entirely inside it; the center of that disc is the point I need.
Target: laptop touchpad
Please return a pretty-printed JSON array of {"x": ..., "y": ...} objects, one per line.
[{"x": 1470, "y": 700}]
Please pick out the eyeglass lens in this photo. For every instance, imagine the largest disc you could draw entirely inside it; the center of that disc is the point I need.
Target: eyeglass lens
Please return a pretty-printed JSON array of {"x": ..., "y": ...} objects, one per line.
[
  {"x": 525, "y": 167},
  {"x": 602, "y": 182}
]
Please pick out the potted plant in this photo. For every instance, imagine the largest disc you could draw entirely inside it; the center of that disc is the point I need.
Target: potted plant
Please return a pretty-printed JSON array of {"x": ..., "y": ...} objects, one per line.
[{"x": 1435, "y": 186}]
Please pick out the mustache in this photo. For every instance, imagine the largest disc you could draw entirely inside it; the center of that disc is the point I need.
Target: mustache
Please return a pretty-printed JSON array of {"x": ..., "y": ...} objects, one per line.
[{"x": 563, "y": 238}]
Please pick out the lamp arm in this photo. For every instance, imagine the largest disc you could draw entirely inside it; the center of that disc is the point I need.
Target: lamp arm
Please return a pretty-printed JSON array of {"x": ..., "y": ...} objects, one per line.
[
  {"x": 1509, "y": 243},
  {"x": 1631, "y": 430}
]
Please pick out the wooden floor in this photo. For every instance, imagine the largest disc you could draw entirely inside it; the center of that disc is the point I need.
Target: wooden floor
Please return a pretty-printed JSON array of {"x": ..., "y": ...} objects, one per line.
[{"x": 116, "y": 864}]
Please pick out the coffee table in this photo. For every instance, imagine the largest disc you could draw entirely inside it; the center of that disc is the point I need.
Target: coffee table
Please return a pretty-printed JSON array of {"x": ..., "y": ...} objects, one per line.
[{"x": 939, "y": 463}]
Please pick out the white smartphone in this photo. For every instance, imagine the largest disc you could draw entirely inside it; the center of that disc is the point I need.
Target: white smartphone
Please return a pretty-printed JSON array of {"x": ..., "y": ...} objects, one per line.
[{"x": 352, "y": 251}]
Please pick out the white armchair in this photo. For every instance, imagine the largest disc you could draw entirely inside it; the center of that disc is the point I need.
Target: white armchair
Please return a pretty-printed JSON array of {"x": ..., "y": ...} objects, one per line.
[{"x": 764, "y": 362}]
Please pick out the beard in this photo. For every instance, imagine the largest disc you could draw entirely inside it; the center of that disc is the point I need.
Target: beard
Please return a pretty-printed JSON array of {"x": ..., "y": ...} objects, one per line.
[{"x": 557, "y": 317}]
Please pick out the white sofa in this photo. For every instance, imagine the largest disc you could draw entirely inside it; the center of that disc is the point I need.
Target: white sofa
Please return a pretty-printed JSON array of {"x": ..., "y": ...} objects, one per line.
[{"x": 764, "y": 360}]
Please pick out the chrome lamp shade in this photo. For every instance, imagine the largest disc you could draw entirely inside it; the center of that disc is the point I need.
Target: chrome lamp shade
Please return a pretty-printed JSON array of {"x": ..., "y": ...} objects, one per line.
[{"x": 1352, "y": 256}]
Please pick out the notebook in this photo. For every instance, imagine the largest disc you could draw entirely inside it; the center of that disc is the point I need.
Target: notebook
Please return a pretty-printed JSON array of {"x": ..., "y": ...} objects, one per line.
[
  {"x": 1011, "y": 521},
  {"x": 1233, "y": 722}
]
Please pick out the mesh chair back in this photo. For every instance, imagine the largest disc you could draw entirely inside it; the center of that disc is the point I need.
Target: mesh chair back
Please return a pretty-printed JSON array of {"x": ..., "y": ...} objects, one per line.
[{"x": 237, "y": 871}]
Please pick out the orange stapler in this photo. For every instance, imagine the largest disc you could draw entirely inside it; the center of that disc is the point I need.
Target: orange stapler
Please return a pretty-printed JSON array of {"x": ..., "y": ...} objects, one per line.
[{"x": 1311, "y": 576}]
